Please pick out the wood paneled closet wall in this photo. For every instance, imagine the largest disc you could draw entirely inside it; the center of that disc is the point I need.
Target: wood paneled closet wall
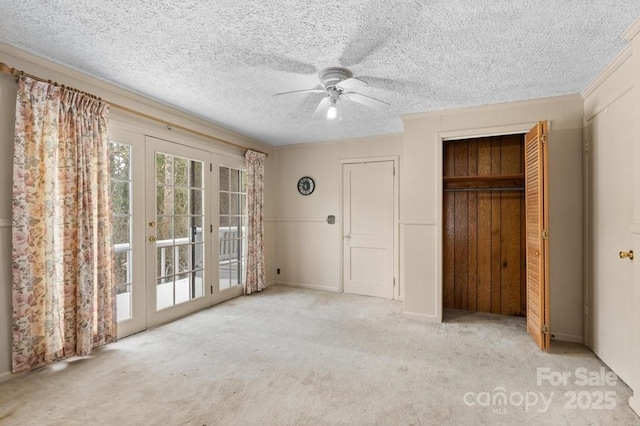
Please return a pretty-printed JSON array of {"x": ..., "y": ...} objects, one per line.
[{"x": 484, "y": 225}]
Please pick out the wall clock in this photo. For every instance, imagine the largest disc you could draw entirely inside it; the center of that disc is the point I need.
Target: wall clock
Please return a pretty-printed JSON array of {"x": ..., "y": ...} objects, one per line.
[{"x": 306, "y": 185}]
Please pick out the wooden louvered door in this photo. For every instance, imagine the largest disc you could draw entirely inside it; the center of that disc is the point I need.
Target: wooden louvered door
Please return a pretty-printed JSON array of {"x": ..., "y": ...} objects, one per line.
[{"x": 536, "y": 219}]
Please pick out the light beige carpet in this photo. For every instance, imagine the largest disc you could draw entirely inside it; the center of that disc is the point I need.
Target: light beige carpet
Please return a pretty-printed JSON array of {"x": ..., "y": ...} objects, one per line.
[{"x": 300, "y": 357}]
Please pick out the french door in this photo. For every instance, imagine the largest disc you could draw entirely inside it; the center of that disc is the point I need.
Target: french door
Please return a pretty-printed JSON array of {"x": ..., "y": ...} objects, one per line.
[
  {"x": 229, "y": 177},
  {"x": 180, "y": 229},
  {"x": 127, "y": 192},
  {"x": 178, "y": 219}
]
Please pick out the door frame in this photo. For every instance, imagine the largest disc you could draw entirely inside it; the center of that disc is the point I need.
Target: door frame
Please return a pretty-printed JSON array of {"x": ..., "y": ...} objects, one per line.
[
  {"x": 480, "y": 132},
  {"x": 398, "y": 291}
]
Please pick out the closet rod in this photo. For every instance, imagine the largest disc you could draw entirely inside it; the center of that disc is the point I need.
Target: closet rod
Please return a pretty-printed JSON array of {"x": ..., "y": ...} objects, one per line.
[
  {"x": 6, "y": 69},
  {"x": 513, "y": 188}
]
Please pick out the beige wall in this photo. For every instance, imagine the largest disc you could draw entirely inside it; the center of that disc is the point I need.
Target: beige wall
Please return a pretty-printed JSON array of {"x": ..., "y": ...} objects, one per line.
[
  {"x": 308, "y": 250},
  {"x": 420, "y": 211},
  {"x": 612, "y": 123}
]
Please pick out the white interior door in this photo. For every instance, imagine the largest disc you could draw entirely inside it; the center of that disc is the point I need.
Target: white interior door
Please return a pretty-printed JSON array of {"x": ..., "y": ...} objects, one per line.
[
  {"x": 611, "y": 195},
  {"x": 178, "y": 226},
  {"x": 368, "y": 225}
]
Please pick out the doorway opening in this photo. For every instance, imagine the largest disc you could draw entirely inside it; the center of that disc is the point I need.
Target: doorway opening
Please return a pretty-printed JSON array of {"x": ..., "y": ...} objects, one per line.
[
  {"x": 484, "y": 267},
  {"x": 495, "y": 247}
]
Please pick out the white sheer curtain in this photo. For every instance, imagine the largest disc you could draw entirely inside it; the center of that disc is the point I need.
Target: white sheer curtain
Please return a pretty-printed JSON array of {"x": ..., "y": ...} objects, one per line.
[{"x": 255, "y": 238}]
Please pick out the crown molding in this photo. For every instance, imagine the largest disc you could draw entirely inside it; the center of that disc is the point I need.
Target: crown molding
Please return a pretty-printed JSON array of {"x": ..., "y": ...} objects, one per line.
[
  {"x": 386, "y": 137},
  {"x": 632, "y": 31},
  {"x": 110, "y": 92},
  {"x": 492, "y": 107},
  {"x": 613, "y": 66}
]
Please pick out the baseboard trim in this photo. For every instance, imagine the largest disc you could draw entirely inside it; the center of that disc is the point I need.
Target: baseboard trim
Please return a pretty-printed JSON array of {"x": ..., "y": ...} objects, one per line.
[
  {"x": 572, "y": 338},
  {"x": 634, "y": 403},
  {"x": 420, "y": 317},
  {"x": 5, "y": 377},
  {"x": 297, "y": 219},
  {"x": 308, "y": 286}
]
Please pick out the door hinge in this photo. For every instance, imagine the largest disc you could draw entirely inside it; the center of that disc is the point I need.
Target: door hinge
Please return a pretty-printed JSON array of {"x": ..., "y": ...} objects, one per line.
[
  {"x": 586, "y": 146},
  {"x": 210, "y": 167},
  {"x": 545, "y": 234},
  {"x": 586, "y": 310},
  {"x": 545, "y": 329},
  {"x": 394, "y": 283},
  {"x": 211, "y": 228},
  {"x": 394, "y": 171},
  {"x": 211, "y": 289},
  {"x": 544, "y": 138}
]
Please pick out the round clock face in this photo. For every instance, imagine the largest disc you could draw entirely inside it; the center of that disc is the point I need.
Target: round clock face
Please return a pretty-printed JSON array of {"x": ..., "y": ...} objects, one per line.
[{"x": 306, "y": 185}]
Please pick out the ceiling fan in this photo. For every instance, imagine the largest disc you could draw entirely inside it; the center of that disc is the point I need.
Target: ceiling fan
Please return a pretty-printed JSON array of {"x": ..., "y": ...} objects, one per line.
[{"x": 338, "y": 84}]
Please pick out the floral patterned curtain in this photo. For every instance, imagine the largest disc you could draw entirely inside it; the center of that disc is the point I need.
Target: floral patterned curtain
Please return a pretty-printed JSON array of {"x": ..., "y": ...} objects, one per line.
[
  {"x": 63, "y": 261},
  {"x": 255, "y": 238}
]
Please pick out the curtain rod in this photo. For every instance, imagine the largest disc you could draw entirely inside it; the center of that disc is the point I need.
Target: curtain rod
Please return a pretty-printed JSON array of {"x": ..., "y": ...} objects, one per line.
[{"x": 6, "y": 69}]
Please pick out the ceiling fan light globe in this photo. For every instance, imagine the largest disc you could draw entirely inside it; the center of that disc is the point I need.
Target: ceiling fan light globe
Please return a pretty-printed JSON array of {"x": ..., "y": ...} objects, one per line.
[{"x": 332, "y": 112}]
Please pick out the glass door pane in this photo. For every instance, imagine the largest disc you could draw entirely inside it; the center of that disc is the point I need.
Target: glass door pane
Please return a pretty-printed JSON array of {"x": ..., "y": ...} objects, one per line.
[
  {"x": 232, "y": 220},
  {"x": 127, "y": 157},
  {"x": 121, "y": 189},
  {"x": 179, "y": 218}
]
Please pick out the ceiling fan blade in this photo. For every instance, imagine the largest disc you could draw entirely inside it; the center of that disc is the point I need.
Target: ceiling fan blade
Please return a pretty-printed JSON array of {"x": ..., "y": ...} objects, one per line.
[
  {"x": 379, "y": 25},
  {"x": 351, "y": 83},
  {"x": 314, "y": 90},
  {"x": 367, "y": 101},
  {"x": 359, "y": 48},
  {"x": 278, "y": 63},
  {"x": 321, "y": 110},
  {"x": 393, "y": 84}
]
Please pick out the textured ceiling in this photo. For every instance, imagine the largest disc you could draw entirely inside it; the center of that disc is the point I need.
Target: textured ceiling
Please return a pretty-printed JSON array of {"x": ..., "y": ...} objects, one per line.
[{"x": 222, "y": 60}]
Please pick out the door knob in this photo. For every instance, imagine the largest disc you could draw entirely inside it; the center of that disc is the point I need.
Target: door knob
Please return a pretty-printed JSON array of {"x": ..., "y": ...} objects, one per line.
[
  {"x": 626, "y": 254},
  {"x": 152, "y": 239}
]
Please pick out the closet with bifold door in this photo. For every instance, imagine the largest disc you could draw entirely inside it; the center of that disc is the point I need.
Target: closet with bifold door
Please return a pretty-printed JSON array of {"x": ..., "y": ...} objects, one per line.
[{"x": 484, "y": 225}]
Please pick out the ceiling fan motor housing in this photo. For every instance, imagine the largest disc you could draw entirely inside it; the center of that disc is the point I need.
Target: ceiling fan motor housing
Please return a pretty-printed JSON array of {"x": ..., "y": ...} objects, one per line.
[{"x": 333, "y": 75}]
